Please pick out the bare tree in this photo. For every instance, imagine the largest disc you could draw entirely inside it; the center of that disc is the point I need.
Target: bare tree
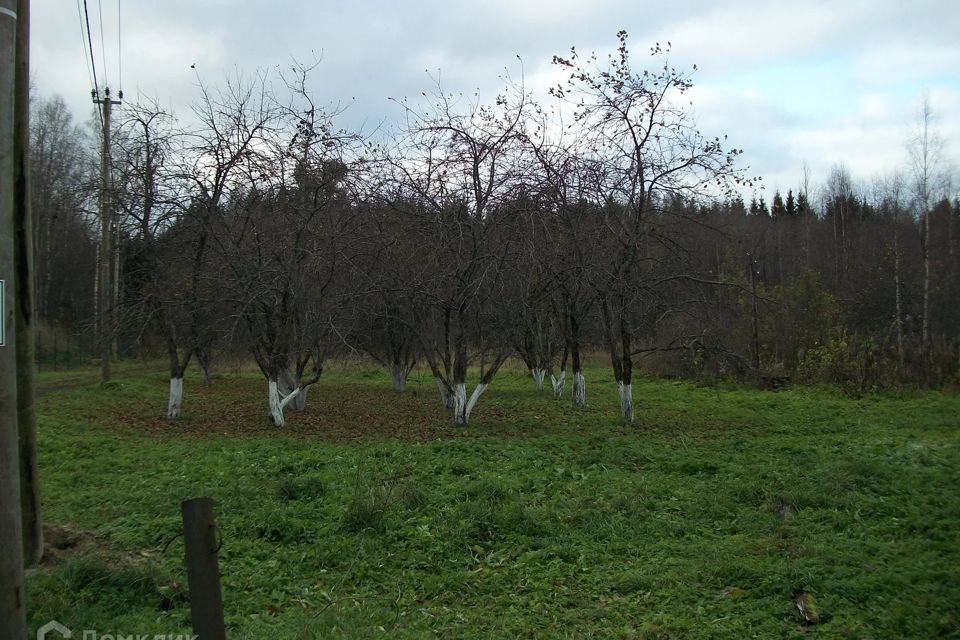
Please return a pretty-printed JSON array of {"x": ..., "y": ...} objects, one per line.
[
  {"x": 384, "y": 326},
  {"x": 929, "y": 179},
  {"x": 160, "y": 237},
  {"x": 457, "y": 162},
  {"x": 232, "y": 123},
  {"x": 60, "y": 170},
  {"x": 566, "y": 237},
  {"x": 648, "y": 149},
  {"x": 289, "y": 268},
  {"x": 888, "y": 195},
  {"x": 290, "y": 242}
]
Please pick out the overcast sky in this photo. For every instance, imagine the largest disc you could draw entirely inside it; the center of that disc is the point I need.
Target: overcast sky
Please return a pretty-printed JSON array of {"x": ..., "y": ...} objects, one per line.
[{"x": 789, "y": 82}]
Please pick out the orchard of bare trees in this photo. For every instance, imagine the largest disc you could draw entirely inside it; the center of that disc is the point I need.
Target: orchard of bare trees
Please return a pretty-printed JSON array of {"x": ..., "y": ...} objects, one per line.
[{"x": 597, "y": 217}]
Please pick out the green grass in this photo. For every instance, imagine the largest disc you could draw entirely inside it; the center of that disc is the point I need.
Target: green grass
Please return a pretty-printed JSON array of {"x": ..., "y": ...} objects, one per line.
[{"x": 371, "y": 516}]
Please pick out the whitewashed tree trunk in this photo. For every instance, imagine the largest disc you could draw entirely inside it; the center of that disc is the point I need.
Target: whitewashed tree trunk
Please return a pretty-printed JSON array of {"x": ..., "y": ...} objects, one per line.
[
  {"x": 538, "y": 376},
  {"x": 280, "y": 398},
  {"x": 626, "y": 401},
  {"x": 276, "y": 411},
  {"x": 579, "y": 389},
  {"x": 446, "y": 398},
  {"x": 399, "y": 373},
  {"x": 176, "y": 398},
  {"x": 460, "y": 403},
  {"x": 462, "y": 407},
  {"x": 288, "y": 383},
  {"x": 477, "y": 392},
  {"x": 558, "y": 384}
]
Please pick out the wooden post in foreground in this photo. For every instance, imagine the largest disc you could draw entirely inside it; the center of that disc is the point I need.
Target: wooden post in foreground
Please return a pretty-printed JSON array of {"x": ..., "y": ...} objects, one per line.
[
  {"x": 203, "y": 573},
  {"x": 25, "y": 312},
  {"x": 13, "y": 620}
]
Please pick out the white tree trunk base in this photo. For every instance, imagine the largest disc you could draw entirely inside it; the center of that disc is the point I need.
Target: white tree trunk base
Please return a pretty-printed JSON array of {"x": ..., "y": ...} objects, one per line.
[
  {"x": 558, "y": 384},
  {"x": 460, "y": 404},
  {"x": 176, "y": 398},
  {"x": 276, "y": 410},
  {"x": 538, "y": 377},
  {"x": 477, "y": 392},
  {"x": 462, "y": 407},
  {"x": 626, "y": 401},
  {"x": 579, "y": 389}
]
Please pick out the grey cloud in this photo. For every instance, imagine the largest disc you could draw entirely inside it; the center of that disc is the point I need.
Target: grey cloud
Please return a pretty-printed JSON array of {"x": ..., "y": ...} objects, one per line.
[{"x": 372, "y": 50}]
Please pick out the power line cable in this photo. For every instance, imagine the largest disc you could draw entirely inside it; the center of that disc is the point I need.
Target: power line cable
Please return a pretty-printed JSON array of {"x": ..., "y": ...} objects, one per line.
[
  {"x": 93, "y": 61},
  {"x": 119, "y": 50},
  {"x": 103, "y": 46},
  {"x": 83, "y": 42}
]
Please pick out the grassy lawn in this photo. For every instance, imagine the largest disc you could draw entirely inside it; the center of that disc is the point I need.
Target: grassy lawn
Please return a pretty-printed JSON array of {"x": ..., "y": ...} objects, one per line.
[{"x": 370, "y": 515}]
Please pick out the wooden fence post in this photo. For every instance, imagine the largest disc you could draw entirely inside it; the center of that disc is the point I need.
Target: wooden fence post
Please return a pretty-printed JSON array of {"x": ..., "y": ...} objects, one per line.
[{"x": 203, "y": 573}]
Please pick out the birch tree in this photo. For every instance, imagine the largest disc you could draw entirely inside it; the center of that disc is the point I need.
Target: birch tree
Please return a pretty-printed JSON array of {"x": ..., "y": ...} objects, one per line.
[
  {"x": 61, "y": 185},
  {"x": 925, "y": 149},
  {"x": 888, "y": 193}
]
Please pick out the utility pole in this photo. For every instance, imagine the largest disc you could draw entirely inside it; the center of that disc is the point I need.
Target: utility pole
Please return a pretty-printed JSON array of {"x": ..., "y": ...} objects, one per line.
[
  {"x": 106, "y": 306},
  {"x": 23, "y": 254},
  {"x": 13, "y": 618}
]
